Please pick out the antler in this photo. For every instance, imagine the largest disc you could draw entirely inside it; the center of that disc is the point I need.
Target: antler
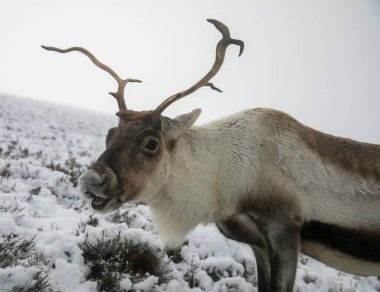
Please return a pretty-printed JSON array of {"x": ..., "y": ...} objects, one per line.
[
  {"x": 119, "y": 94},
  {"x": 220, "y": 53},
  {"x": 130, "y": 115}
]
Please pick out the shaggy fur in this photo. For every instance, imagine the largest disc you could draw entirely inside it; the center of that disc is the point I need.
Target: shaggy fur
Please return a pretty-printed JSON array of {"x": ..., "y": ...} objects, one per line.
[{"x": 266, "y": 180}]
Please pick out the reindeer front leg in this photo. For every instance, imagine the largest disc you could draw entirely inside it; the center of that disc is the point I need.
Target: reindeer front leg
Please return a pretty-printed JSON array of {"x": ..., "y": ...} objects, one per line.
[
  {"x": 283, "y": 242},
  {"x": 275, "y": 246},
  {"x": 242, "y": 228}
]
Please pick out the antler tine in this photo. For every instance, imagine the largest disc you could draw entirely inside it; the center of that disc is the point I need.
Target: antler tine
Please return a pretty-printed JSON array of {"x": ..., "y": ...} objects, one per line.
[
  {"x": 119, "y": 94},
  {"x": 219, "y": 58}
]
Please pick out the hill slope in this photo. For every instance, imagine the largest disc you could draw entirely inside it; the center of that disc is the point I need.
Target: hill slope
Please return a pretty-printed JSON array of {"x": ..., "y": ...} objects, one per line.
[{"x": 51, "y": 241}]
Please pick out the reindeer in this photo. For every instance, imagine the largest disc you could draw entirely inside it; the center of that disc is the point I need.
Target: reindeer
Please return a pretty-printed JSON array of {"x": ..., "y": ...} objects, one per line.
[{"x": 264, "y": 178}]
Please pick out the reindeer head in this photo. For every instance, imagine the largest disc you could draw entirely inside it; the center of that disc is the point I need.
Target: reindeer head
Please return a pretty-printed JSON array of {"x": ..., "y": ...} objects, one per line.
[{"x": 135, "y": 163}]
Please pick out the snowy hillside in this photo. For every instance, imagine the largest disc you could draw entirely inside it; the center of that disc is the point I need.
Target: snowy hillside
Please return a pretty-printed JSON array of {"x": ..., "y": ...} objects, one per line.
[{"x": 51, "y": 241}]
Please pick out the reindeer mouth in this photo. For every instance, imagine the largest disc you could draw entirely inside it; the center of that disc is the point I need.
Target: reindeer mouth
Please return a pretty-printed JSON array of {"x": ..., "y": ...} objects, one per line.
[
  {"x": 98, "y": 203},
  {"x": 101, "y": 197}
]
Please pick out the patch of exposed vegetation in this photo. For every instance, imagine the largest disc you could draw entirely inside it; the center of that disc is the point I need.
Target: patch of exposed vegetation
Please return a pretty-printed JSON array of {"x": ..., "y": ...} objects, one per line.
[
  {"x": 39, "y": 283},
  {"x": 112, "y": 259},
  {"x": 71, "y": 168},
  {"x": 174, "y": 254},
  {"x": 92, "y": 221},
  {"x": 16, "y": 250}
]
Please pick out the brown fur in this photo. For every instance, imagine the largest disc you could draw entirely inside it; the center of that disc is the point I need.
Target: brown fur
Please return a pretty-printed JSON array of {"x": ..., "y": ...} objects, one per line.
[
  {"x": 124, "y": 149},
  {"x": 349, "y": 155}
]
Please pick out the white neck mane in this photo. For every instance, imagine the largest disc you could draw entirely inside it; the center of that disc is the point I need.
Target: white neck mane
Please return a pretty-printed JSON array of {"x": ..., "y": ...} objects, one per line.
[{"x": 199, "y": 191}]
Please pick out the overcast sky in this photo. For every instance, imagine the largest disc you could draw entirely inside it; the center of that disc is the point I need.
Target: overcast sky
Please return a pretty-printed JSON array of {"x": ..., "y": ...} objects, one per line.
[{"x": 317, "y": 60}]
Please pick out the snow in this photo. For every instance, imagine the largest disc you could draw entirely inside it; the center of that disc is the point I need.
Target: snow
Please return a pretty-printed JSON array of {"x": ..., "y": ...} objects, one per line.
[{"x": 43, "y": 149}]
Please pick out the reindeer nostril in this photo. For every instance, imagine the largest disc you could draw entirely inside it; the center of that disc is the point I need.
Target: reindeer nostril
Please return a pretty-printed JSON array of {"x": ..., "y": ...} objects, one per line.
[
  {"x": 103, "y": 183},
  {"x": 90, "y": 194}
]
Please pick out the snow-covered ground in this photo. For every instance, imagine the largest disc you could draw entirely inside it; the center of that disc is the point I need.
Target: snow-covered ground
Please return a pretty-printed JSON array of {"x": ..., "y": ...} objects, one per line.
[{"x": 51, "y": 241}]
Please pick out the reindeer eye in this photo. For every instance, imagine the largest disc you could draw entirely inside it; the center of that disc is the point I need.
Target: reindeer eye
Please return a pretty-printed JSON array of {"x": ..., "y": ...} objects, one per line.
[{"x": 151, "y": 146}]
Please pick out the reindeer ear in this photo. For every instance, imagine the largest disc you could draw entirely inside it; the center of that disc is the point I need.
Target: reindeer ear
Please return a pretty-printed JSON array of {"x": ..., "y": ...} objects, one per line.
[{"x": 175, "y": 128}]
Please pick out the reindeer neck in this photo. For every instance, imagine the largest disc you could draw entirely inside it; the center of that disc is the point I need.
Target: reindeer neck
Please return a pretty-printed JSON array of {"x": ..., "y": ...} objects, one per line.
[{"x": 190, "y": 196}]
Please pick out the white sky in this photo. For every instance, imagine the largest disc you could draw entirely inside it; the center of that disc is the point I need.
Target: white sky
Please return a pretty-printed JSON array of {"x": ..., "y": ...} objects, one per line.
[{"x": 317, "y": 60}]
